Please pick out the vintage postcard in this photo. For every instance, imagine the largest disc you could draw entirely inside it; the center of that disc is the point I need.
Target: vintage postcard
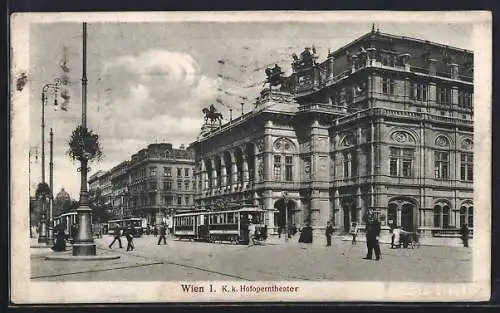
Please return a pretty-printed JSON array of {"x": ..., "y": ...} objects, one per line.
[{"x": 250, "y": 156}]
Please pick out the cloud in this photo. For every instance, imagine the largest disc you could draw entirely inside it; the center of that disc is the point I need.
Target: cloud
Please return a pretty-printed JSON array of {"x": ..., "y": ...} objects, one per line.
[{"x": 158, "y": 82}]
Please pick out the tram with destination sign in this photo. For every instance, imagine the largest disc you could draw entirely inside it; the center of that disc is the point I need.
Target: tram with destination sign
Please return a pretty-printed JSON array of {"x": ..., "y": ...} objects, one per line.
[{"x": 230, "y": 225}]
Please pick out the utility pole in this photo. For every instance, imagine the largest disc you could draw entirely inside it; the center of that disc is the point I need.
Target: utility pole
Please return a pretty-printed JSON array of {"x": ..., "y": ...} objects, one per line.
[
  {"x": 84, "y": 243},
  {"x": 50, "y": 239}
]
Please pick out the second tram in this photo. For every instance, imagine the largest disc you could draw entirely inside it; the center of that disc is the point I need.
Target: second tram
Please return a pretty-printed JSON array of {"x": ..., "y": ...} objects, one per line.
[{"x": 227, "y": 225}]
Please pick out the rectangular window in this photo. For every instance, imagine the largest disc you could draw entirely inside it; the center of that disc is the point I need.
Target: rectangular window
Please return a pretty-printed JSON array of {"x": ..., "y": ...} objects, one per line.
[
  {"x": 418, "y": 92},
  {"x": 288, "y": 168},
  {"x": 387, "y": 86},
  {"x": 186, "y": 172},
  {"x": 168, "y": 200},
  {"x": 179, "y": 184},
  {"x": 441, "y": 164},
  {"x": 277, "y": 168},
  {"x": 167, "y": 185},
  {"x": 167, "y": 171},
  {"x": 466, "y": 166},
  {"x": 186, "y": 200},
  {"x": 152, "y": 171},
  {"x": 443, "y": 95},
  {"x": 179, "y": 172},
  {"x": 186, "y": 185},
  {"x": 347, "y": 165},
  {"x": 401, "y": 162},
  {"x": 179, "y": 200}
]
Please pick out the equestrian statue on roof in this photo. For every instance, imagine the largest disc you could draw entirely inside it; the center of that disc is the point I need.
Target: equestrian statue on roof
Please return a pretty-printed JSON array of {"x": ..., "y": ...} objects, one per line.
[{"x": 212, "y": 114}]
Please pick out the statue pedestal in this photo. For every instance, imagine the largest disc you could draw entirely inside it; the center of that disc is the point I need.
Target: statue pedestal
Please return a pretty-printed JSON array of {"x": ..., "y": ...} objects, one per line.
[{"x": 206, "y": 128}]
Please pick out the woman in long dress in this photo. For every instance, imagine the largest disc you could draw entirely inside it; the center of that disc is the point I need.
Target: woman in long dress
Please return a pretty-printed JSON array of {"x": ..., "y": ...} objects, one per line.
[{"x": 60, "y": 244}]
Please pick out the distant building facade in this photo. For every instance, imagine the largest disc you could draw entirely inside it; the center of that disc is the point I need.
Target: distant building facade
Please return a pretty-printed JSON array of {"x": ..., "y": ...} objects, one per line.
[
  {"x": 119, "y": 179},
  {"x": 161, "y": 182},
  {"x": 385, "y": 122}
]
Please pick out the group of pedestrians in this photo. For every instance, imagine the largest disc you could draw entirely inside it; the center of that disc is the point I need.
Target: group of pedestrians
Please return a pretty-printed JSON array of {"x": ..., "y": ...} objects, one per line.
[
  {"x": 129, "y": 235},
  {"x": 372, "y": 235}
]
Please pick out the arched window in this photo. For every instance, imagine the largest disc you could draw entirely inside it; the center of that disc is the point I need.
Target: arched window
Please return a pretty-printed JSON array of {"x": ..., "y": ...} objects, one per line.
[
  {"x": 463, "y": 215},
  {"x": 437, "y": 216},
  {"x": 446, "y": 216},
  {"x": 467, "y": 215},
  {"x": 283, "y": 160},
  {"x": 470, "y": 217}
]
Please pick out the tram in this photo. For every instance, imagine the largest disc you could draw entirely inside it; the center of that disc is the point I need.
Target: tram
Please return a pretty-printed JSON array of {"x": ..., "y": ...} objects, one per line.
[
  {"x": 230, "y": 225},
  {"x": 66, "y": 219},
  {"x": 137, "y": 224}
]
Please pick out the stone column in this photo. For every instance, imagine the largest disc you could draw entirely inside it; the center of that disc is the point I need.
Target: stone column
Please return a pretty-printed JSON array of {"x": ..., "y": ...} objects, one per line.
[
  {"x": 331, "y": 62},
  {"x": 268, "y": 159},
  {"x": 204, "y": 176},
  {"x": 360, "y": 207},
  {"x": 431, "y": 66},
  {"x": 453, "y": 70},
  {"x": 223, "y": 172},
  {"x": 245, "y": 176},
  {"x": 234, "y": 172},
  {"x": 214, "y": 175}
]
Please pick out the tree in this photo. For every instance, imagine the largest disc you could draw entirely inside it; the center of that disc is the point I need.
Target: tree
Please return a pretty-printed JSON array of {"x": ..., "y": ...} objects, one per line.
[{"x": 84, "y": 145}]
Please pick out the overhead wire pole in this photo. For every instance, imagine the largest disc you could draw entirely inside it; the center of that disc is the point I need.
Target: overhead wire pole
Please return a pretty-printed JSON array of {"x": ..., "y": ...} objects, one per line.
[
  {"x": 84, "y": 244},
  {"x": 50, "y": 239}
]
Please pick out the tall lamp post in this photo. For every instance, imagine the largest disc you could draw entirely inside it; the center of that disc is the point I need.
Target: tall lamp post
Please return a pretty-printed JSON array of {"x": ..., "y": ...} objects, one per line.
[
  {"x": 285, "y": 201},
  {"x": 84, "y": 243},
  {"x": 50, "y": 239},
  {"x": 44, "y": 237}
]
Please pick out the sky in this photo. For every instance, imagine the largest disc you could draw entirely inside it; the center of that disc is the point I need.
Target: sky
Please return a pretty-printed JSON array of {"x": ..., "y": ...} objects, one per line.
[{"x": 147, "y": 82}]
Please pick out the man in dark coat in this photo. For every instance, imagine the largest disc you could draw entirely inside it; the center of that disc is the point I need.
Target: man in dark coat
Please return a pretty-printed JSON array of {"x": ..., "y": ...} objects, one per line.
[
  {"x": 328, "y": 234},
  {"x": 464, "y": 234},
  {"x": 117, "y": 234},
  {"x": 130, "y": 238},
  {"x": 163, "y": 233},
  {"x": 372, "y": 236},
  {"x": 306, "y": 235}
]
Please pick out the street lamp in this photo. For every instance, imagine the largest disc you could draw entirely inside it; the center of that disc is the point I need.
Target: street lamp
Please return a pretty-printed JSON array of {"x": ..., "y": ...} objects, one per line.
[
  {"x": 84, "y": 243},
  {"x": 44, "y": 237},
  {"x": 285, "y": 200}
]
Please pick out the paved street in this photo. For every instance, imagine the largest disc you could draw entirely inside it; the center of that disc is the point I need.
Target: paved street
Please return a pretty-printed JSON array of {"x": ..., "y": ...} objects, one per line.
[{"x": 184, "y": 260}]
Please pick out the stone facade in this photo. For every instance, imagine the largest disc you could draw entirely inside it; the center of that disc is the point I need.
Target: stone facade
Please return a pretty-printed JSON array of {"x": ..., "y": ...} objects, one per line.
[
  {"x": 161, "y": 182},
  {"x": 385, "y": 122},
  {"x": 120, "y": 181}
]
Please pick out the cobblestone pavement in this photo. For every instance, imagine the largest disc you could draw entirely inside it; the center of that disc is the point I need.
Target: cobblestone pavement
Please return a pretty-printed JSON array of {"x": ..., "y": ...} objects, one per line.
[{"x": 275, "y": 260}]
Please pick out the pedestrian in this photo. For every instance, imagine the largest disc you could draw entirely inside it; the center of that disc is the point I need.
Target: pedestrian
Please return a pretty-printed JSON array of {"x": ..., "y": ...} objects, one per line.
[
  {"x": 306, "y": 235},
  {"x": 117, "y": 236},
  {"x": 354, "y": 232},
  {"x": 251, "y": 233},
  {"x": 464, "y": 234},
  {"x": 155, "y": 231},
  {"x": 396, "y": 237},
  {"x": 60, "y": 244},
  {"x": 372, "y": 236},
  {"x": 130, "y": 238},
  {"x": 163, "y": 233},
  {"x": 328, "y": 233}
]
